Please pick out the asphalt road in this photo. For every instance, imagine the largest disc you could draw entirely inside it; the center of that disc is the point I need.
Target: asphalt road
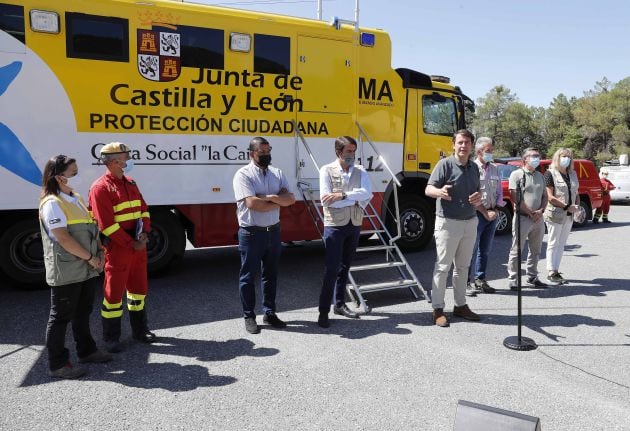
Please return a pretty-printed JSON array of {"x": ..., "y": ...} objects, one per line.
[{"x": 391, "y": 369}]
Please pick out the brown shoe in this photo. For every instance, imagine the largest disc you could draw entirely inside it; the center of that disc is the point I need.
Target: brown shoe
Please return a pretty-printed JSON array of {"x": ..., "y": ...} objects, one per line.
[
  {"x": 439, "y": 318},
  {"x": 465, "y": 313}
]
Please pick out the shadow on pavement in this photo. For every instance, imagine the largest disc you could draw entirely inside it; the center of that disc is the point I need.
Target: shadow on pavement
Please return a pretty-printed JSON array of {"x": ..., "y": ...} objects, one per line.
[{"x": 132, "y": 367}]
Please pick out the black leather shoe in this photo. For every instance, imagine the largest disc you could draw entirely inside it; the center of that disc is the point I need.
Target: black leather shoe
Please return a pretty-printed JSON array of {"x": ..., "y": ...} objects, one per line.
[
  {"x": 145, "y": 337},
  {"x": 343, "y": 310},
  {"x": 323, "y": 321},
  {"x": 113, "y": 346},
  {"x": 274, "y": 320}
]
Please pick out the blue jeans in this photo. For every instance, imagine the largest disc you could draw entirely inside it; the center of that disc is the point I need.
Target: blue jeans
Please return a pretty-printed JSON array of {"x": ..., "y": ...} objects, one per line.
[
  {"x": 258, "y": 249},
  {"x": 341, "y": 243},
  {"x": 483, "y": 244}
]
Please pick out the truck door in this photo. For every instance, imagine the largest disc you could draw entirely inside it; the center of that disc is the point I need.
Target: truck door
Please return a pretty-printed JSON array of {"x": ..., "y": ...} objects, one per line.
[
  {"x": 436, "y": 125},
  {"x": 327, "y": 92}
]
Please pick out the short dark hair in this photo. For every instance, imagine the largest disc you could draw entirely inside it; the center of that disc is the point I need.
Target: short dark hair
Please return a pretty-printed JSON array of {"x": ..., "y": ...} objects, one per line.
[
  {"x": 529, "y": 150},
  {"x": 257, "y": 142},
  {"x": 464, "y": 132},
  {"x": 342, "y": 141},
  {"x": 55, "y": 166}
]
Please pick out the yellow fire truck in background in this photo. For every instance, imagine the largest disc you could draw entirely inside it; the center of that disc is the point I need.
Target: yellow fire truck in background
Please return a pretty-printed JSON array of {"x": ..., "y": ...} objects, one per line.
[{"x": 187, "y": 86}]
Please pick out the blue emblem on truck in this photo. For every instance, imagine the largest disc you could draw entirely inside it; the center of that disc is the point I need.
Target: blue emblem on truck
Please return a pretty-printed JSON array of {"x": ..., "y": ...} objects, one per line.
[{"x": 13, "y": 155}]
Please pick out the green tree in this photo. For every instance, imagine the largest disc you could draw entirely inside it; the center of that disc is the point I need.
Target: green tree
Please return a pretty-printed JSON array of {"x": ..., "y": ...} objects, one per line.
[{"x": 490, "y": 111}]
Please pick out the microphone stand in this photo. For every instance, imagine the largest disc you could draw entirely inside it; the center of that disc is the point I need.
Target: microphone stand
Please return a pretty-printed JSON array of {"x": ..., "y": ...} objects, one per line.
[{"x": 519, "y": 342}]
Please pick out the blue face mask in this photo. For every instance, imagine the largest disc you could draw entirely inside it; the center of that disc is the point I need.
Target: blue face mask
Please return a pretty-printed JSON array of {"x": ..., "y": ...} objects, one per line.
[
  {"x": 349, "y": 161},
  {"x": 128, "y": 166},
  {"x": 488, "y": 157},
  {"x": 534, "y": 162},
  {"x": 565, "y": 161}
]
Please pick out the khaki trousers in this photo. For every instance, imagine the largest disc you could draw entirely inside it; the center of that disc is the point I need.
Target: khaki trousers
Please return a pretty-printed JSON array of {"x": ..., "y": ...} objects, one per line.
[
  {"x": 533, "y": 233},
  {"x": 454, "y": 243}
]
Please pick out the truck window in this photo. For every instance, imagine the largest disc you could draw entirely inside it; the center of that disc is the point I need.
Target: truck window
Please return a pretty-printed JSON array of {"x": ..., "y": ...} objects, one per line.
[
  {"x": 272, "y": 54},
  {"x": 439, "y": 116},
  {"x": 12, "y": 21},
  {"x": 200, "y": 47},
  {"x": 95, "y": 37}
]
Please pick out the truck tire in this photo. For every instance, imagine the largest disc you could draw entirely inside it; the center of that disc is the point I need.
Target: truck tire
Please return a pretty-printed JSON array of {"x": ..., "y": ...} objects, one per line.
[
  {"x": 167, "y": 240},
  {"x": 585, "y": 209},
  {"x": 22, "y": 255},
  {"x": 504, "y": 223},
  {"x": 416, "y": 223}
]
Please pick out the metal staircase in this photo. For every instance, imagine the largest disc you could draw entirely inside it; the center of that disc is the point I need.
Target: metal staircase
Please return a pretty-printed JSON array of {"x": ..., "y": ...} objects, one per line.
[{"x": 377, "y": 267}]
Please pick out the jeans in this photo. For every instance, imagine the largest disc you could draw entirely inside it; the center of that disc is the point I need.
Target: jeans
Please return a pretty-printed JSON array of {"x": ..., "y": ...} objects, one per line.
[
  {"x": 341, "y": 244},
  {"x": 483, "y": 244},
  {"x": 258, "y": 248},
  {"x": 70, "y": 303}
]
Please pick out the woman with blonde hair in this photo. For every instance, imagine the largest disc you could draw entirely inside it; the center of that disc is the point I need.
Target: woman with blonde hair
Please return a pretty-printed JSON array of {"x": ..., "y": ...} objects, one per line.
[
  {"x": 72, "y": 257},
  {"x": 563, "y": 201}
]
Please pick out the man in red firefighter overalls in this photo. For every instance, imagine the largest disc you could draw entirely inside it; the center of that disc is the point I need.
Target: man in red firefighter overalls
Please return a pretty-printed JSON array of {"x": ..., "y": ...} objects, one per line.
[
  {"x": 607, "y": 186},
  {"x": 123, "y": 219}
]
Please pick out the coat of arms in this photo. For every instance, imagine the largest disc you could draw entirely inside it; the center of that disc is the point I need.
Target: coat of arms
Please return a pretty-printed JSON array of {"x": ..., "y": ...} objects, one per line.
[{"x": 159, "y": 55}]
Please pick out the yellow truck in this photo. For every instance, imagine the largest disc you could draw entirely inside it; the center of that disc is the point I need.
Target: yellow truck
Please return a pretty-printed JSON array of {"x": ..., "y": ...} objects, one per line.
[{"x": 187, "y": 86}]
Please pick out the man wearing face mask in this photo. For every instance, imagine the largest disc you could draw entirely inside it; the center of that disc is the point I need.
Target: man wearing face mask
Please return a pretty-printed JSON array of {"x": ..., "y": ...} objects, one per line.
[
  {"x": 533, "y": 203},
  {"x": 123, "y": 219},
  {"x": 260, "y": 190},
  {"x": 345, "y": 191},
  {"x": 491, "y": 198}
]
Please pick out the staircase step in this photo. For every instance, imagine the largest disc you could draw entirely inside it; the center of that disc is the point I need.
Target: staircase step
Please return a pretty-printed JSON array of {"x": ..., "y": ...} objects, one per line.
[
  {"x": 376, "y": 266},
  {"x": 375, "y": 248},
  {"x": 371, "y": 231},
  {"x": 386, "y": 285}
]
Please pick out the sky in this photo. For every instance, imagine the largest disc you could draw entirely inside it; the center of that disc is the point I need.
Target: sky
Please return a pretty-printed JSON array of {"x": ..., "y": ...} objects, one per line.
[{"x": 536, "y": 48}]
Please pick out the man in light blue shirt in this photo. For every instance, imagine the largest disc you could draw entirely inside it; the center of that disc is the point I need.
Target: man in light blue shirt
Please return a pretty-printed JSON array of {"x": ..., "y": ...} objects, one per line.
[
  {"x": 260, "y": 190},
  {"x": 345, "y": 191}
]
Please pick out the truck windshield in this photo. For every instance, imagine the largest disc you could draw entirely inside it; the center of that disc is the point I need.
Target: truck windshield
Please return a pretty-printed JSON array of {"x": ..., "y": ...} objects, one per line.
[{"x": 439, "y": 115}]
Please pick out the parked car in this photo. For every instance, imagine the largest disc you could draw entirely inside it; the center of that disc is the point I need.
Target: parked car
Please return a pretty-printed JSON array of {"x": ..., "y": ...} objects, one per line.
[{"x": 590, "y": 190}]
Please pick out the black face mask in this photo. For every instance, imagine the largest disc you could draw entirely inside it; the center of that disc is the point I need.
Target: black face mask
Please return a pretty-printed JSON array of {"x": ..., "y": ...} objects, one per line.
[{"x": 264, "y": 160}]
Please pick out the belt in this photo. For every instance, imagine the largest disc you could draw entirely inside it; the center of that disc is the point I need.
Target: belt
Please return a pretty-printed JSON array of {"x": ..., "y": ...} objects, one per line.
[{"x": 262, "y": 228}]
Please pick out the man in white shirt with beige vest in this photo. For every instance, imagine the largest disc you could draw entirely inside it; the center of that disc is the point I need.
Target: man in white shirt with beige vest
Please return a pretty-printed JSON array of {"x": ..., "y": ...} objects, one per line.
[{"x": 345, "y": 191}]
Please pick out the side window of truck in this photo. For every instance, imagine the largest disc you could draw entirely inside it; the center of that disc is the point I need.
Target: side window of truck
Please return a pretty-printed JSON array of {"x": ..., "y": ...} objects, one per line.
[
  {"x": 96, "y": 37},
  {"x": 439, "y": 115},
  {"x": 272, "y": 54},
  {"x": 201, "y": 47},
  {"x": 12, "y": 21}
]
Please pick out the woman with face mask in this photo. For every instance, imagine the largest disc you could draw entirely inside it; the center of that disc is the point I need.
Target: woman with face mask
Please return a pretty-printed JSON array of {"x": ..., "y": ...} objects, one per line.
[
  {"x": 73, "y": 258},
  {"x": 563, "y": 202}
]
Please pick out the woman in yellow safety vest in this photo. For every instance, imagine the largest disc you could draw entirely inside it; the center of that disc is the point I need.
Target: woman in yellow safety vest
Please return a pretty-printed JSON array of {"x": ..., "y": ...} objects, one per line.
[{"x": 73, "y": 257}]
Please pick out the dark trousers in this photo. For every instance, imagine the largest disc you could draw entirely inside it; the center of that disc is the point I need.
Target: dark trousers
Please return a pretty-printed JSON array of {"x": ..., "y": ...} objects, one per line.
[
  {"x": 341, "y": 244},
  {"x": 259, "y": 250},
  {"x": 70, "y": 303},
  {"x": 485, "y": 234}
]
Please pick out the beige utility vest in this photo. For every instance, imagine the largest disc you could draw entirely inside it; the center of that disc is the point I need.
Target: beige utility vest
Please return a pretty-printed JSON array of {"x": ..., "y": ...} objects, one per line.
[
  {"x": 561, "y": 191},
  {"x": 63, "y": 267},
  {"x": 342, "y": 216}
]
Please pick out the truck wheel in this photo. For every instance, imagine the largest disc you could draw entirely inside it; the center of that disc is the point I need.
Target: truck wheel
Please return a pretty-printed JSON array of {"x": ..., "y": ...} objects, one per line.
[
  {"x": 416, "y": 223},
  {"x": 504, "y": 223},
  {"x": 21, "y": 254},
  {"x": 583, "y": 215},
  {"x": 167, "y": 240}
]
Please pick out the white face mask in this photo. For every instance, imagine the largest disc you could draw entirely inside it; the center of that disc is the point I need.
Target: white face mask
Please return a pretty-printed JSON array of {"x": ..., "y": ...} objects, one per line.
[
  {"x": 73, "y": 182},
  {"x": 565, "y": 161}
]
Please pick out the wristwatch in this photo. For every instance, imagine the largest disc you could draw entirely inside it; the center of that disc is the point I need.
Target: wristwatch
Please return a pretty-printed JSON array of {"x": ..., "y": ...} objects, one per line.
[
  {"x": 566, "y": 207},
  {"x": 343, "y": 196}
]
